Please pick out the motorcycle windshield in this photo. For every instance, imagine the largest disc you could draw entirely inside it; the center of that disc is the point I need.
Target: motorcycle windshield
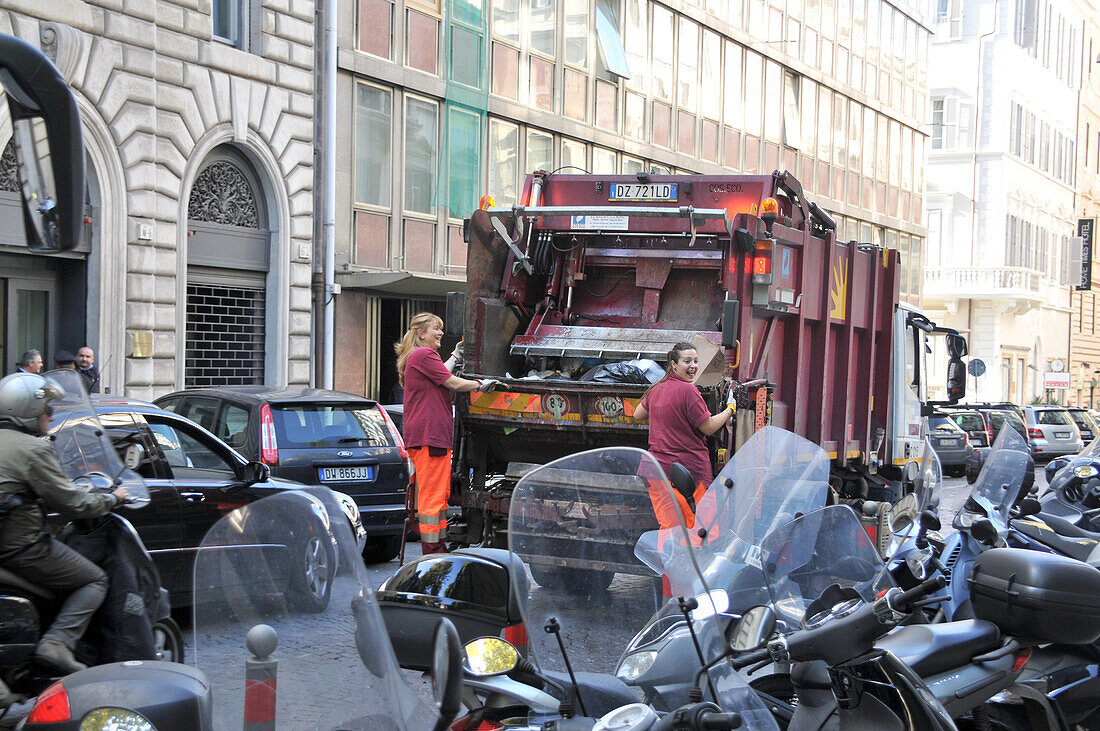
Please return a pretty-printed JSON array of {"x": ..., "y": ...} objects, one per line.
[
  {"x": 775, "y": 476},
  {"x": 929, "y": 479},
  {"x": 290, "y": 562},
  {"x": 574, "y": 524},
  {"x": 81, "y": 444},
  {"x": 1000, "y": 482},
  {"x": 803, "y": 558}
]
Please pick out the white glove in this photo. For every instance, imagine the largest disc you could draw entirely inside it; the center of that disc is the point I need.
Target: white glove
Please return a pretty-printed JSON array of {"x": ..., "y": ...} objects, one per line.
[
  {"x": 731, "y": 400},
  {"x": 489, "y": 384},
  {"x": 457, "y": 353}
]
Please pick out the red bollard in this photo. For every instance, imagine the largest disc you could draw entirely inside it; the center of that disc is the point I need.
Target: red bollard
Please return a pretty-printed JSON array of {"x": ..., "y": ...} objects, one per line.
[{"x": 260, "y": 676}]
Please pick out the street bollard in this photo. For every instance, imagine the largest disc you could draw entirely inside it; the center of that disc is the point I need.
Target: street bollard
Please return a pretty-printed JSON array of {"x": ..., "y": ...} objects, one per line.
[{"x": 260, "y": 675}]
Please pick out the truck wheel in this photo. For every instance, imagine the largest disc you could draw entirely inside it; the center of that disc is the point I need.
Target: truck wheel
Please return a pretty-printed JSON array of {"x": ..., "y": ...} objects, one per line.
[
  {"x": 574, "y": 581},
  {"x": 382, "y": 549}
]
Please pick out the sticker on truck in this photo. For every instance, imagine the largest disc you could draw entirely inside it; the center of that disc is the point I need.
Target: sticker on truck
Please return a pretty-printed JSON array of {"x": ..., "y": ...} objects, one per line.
[{"x": 599, "y": 223}]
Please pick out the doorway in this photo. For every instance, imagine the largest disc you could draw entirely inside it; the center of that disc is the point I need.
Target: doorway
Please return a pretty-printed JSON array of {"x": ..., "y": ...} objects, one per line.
[{"x": 29, "y": 318}]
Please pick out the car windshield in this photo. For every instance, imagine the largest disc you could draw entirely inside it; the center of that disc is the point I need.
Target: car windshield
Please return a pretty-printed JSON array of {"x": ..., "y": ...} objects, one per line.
[
  {"x": 942, "y": 423},
  {"x": 1081, "y": 419},
  {"x": 1056, "y": 417},
  {"x": 330, "y": 425},
  {"x": 970, "y": 422}
]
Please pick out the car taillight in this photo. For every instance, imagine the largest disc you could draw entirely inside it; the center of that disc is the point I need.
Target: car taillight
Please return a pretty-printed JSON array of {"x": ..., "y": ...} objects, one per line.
[
  {"x": 400, "y": 442},
  {"x": 269, "y": 445},
  {"x": 1035, "y": 433},
  {"x": 52, "y": 706}
]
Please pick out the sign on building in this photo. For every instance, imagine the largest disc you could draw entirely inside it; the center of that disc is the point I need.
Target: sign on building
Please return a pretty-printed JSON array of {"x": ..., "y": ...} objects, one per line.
[
  {"x": 1085, "y": 228},
  {"x": 1056, "y": 380}
]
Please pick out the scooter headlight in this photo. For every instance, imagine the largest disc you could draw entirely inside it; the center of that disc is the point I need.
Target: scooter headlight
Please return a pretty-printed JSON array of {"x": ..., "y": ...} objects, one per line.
[
  {"x": 1085, "y": 471},
  {"x": 636, "y": 665},
  {"x": 115, "y": 719}
]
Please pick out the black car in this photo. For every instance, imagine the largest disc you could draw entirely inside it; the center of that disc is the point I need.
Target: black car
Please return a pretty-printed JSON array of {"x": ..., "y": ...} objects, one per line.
[
  {"x": 317, "y": 437},
  {"x": 951, "y": 442},
  {"x": 975, "y": 425},
  {"x": 194, "y": 479},
  {"x": 1085, "y": 423}
]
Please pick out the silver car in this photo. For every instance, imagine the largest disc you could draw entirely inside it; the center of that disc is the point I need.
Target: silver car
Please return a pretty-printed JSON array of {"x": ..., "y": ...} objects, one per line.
[{"x": 1051, "y": 432}]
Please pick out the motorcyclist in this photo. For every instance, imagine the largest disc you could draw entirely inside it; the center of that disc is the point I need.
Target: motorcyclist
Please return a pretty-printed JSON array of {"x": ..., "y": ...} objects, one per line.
[{"x": 32, "y": 481}]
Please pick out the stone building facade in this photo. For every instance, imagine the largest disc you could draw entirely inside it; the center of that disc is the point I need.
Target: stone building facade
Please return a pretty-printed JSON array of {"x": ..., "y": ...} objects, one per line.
[{"x": 198, "y": 128}]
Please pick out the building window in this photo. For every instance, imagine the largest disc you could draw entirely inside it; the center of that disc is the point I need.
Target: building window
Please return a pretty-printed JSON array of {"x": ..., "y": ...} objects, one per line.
[
  {"x": 376, "y": 27},
  {"x": 504, "y": 162},
  {"x": 611, "y": 43},
  {"x": 792, "y": 113},
  {"x": 576, "y": 33},
  {"x": 421, "y": 153},
  {"x": 373, "y": 156},
  {"x": 233, "y": 22},
  {"x": 662, "y": 53}
]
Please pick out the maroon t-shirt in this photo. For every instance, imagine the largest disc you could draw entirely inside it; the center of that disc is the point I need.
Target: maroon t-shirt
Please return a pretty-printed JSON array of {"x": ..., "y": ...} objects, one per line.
[
  {"x": 676, "y": 408},
  {"x": 428, "y": 420}
]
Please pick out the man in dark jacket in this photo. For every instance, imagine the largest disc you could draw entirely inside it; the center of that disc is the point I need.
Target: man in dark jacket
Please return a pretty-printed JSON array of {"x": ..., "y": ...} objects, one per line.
[
  {"x": 85, "y": 365},
  {"x": 32, "y": 481}
]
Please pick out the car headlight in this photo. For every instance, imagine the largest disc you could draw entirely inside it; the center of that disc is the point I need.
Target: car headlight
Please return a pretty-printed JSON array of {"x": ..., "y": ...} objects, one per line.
[
  {"x": 1085, "y": 471},
  {"x": 115, "y": 719},
  {"x": 635, "y": 665}
]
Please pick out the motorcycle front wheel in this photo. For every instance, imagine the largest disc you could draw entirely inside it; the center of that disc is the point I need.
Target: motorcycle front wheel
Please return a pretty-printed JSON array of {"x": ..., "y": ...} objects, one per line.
[{"x": 168, "y": 640}]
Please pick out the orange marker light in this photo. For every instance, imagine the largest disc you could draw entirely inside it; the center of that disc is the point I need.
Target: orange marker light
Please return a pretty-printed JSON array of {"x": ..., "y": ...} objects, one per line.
[
  {"x": 487, "y": 202},
  {"x": 769, "y": 207}
]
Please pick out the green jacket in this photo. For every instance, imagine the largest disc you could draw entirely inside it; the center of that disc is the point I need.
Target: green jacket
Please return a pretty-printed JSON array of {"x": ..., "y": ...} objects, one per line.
[{"x": 28, "y": 468}]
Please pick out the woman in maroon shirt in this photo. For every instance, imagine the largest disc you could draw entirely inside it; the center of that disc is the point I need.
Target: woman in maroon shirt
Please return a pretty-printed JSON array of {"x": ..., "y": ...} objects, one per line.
[
  {"x": 428, "y": 421},
  {"x": 679, "y": 422}
]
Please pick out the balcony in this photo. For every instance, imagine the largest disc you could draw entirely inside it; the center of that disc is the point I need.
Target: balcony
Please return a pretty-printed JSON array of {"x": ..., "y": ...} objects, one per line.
[{"x": 1018, "y": 288}]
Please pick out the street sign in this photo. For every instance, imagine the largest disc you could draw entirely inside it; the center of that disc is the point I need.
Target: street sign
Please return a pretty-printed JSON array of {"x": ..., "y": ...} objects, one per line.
[
  {"x": 1084, "y": 230},
  {"x": 1056, "y": 380},
  {"x": 976, "y": 367}
]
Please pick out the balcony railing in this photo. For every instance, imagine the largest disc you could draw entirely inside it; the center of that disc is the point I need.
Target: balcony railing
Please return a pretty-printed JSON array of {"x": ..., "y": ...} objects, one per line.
[{"x": 984, "y": 283}]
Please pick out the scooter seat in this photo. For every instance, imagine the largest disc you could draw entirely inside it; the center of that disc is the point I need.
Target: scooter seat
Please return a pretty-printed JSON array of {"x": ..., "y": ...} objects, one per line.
[
  {"x": 931, "y": 649},
  {"x": 1063, "y": 527},
  {"x": 601, "y": 693},
  {"x": 1078, "y": 547},
  {"x": 16, "y": 581}
]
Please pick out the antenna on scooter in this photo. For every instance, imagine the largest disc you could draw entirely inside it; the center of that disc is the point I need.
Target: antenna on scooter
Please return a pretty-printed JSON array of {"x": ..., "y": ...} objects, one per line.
[
  {"x": 687, "y": 606},
  {"x": 553, "y": 628}
]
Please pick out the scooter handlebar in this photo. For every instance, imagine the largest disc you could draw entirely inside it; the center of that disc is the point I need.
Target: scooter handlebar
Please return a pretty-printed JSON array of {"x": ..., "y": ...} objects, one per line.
[
  {"x": 751, "y": 658},
  {"x": 903, "y": 602}
]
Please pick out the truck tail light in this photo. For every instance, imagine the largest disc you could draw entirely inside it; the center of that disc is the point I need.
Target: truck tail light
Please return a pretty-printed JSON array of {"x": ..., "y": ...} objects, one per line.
[
  {"x": 269, "y": 445},
  {"x": 1034, "y": 433},
  {"x": 762, "y": 263}
]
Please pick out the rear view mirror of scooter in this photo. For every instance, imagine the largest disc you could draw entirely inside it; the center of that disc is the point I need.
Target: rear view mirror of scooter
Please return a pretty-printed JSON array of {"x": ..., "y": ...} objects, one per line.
[
  {"x": 489, "y": 656},
  {"x": 754, "y": 629}
]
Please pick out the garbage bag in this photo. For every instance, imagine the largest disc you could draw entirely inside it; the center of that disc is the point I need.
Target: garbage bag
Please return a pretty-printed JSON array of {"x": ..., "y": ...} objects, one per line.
[{"x": 643, "y": 371}]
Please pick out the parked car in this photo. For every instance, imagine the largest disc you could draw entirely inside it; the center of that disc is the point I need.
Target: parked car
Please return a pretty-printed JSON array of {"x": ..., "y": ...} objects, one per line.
[
  {"x": 1051, "y": 432},
  {"x": 1086, "y": 424},
  {"x": 997, "y": 414},
  {"x": 951, "y": 442},
  {"x": 194, "y": 479},
  {"x": 317, "y": 437},
  {"x": 976, "y": 426}
]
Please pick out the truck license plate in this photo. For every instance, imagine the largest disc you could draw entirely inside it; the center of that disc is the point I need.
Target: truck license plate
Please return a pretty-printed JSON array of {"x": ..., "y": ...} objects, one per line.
[
  {"x": 655, "y": 192},
  {"x": 337, "y": 474}
]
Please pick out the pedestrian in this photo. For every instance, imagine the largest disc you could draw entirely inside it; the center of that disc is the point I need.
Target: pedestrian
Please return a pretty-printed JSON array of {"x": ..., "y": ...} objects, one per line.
[
  {"x": 65, "y": 359},
  {"x": 428, "y": 421},
  {"x": 31, "y": 362},
  {"x": 679, "y": 423},
  {"x": 32, "y": 482},
  {"x": 85, "y": 366}
]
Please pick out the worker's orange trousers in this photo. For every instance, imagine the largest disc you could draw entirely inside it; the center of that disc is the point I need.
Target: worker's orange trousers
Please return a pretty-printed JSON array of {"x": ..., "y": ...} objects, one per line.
[{"x": 433, "y": 487}]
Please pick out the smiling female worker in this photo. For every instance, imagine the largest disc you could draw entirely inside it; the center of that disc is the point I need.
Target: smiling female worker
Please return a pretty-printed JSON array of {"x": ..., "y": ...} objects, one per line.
[
  {"x": 428, "y": 421},
  {"x": 679, "y": 423}
]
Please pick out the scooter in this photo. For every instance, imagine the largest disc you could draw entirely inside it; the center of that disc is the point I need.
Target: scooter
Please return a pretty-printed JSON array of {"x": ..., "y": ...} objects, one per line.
[{"x": 88, "y": 457}]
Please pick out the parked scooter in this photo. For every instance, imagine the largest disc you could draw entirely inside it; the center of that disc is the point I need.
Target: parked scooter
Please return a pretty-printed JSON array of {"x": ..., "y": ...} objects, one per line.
[
  {"x": 87, "y": 456},
  {"x": 331, "y": 670}
]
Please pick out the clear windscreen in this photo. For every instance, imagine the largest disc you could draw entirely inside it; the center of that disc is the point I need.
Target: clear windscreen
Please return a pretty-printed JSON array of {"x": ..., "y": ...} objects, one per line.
[
  {"x": 999, "y": 483},
  {"x": 929, "y": 479},
  {"x": 801, "y": 559},
  {"x": 82, "y": 445},
  {"x": 289, "y": 561}
]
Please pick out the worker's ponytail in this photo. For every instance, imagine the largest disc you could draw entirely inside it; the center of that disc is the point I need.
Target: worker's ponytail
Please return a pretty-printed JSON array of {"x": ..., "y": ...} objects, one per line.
[{"x": 673, "y": 356}]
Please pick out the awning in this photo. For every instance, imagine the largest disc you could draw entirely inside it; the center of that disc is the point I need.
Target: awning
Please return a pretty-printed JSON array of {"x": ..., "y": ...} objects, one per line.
[{"x": 404, "y": 284}]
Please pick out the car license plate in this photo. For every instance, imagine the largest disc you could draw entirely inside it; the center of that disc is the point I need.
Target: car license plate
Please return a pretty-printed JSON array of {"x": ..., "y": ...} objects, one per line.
[
  {"x": 1061, "y": 435},
  {"x": 336, "y": 474},
  {"x": 643, "y": 192},
  {"x": 949, "y": 442}
]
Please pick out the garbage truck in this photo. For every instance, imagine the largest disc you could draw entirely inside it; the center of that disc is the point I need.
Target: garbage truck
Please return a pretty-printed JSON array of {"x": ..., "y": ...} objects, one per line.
[{"x": 576, "y": 293}]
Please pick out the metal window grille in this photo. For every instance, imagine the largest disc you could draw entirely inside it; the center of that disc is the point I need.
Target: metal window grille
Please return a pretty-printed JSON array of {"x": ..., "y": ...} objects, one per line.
[{"x": 225, "y": 335}]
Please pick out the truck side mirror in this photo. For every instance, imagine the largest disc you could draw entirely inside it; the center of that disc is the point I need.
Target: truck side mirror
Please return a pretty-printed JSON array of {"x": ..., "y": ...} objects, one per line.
[
  {"x": 456, "y": 314},
  {"x": 956, "y": 379},
  {"x": 729, "y": 323},
  {"x": 956, "y": 346},
  {"x": 48, "y": 146}
]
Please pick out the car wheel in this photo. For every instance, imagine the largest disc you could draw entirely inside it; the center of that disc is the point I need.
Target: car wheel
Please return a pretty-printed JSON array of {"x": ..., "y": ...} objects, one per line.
[
  {"x": 168, "y": 640},
  {"x": 311, "y": 581},
  {"x": 382, "y": 549}
]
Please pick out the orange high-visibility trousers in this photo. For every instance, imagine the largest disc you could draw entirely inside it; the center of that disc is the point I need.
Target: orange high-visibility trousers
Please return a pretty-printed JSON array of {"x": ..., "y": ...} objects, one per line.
[{"x": 433, "y": 483}]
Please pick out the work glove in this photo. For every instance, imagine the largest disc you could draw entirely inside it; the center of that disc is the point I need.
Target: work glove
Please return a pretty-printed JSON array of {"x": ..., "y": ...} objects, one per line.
[
  {"x": 457, "y": 353},
  {"x": 731, "y": 400},
  {"x": 489, "y": 384}
]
